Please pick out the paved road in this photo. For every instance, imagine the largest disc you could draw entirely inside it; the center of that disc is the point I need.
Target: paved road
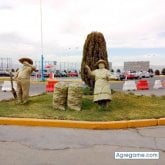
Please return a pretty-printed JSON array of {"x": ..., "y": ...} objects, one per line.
[
  {"x": 40, "y": 88},
  {"x": 157, "y": 92},
  {"x": 59, "y": 146},
  {"x": 34, "y": 90}
]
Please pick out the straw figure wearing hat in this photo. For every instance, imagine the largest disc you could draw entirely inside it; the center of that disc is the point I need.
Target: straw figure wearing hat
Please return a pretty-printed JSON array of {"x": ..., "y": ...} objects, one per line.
[
  {"x": 102, "y": 91},
  {"x": 23, "y": 79}
]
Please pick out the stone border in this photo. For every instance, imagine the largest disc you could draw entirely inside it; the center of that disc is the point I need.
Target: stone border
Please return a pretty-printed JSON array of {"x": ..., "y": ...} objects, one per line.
[{"x": 82, "y": 124}]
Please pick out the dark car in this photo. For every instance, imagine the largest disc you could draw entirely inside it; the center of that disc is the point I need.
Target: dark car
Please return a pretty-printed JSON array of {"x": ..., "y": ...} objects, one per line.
[
  {"x": 4, "y": 74},
  {"x": 59, "y": 73},
  {"x": 119, "y": 76},
  {"x": 122, "y": 76}
]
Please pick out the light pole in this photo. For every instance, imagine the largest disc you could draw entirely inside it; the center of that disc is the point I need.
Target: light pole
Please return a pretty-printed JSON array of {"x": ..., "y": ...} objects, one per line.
[{"x": 42, "y": 57}]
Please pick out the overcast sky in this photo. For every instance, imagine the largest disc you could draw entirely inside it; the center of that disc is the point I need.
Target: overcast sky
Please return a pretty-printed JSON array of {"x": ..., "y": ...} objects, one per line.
[{"x": 133, "y": 29}]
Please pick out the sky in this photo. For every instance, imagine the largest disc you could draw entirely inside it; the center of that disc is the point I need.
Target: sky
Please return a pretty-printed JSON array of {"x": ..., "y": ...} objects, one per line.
[{"x": 133, "y": 29}]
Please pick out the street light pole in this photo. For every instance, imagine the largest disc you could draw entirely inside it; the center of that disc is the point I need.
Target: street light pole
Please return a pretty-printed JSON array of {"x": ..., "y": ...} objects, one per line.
[{"x": 42, "y": 57}]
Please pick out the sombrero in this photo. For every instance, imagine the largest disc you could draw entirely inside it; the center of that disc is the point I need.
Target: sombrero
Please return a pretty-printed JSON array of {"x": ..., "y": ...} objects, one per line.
[
  {"x": 30, "y": 61},
  {"x": 101, "y": 61}
]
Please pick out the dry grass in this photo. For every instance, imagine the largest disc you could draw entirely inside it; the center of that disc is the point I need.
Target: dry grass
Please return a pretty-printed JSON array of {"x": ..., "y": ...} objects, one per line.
[{"x": 122, "y": 107}]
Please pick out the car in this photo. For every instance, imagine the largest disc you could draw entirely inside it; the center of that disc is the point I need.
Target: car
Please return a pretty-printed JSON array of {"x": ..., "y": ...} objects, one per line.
[
  {"x": 72, "y": 74},
  {"x": 46, "y": 73},
  {"x": 64, "y": 74},
  {"x": 118, "y": 76},
  {"x": 122, "y": 76},
  {"x": 4, "y": 74},
  {"x": 131, "y": 75},
  {"x": 151, "y": 74},
  {"x": 33, "y": 74},
  {"x": 146, "y": 74},
  {"x": 59, "y": 73},
  {"x": 115, "y": 75}
]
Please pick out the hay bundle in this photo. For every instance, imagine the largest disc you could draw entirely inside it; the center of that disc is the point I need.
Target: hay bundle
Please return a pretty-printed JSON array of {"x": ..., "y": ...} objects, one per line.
[
  {"x": 94, "y": 49},
  {"x": 60, "y": 96},
  {"x": 74, "y": 96}
]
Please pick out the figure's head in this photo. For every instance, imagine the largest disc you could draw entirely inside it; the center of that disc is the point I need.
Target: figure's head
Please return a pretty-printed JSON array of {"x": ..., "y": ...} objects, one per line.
[
  {"x": 101, "y": 64},
  {"x": 30, "y": 61}
]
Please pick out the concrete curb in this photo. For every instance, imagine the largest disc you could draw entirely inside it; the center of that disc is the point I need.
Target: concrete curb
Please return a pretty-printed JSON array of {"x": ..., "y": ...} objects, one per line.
[{"x": 82, "y": 124}]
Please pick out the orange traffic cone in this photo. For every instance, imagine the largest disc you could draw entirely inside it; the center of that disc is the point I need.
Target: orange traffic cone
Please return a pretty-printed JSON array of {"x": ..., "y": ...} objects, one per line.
[
  {"x": 163, "y": 83},
  {"x": 51, "y": 75}
]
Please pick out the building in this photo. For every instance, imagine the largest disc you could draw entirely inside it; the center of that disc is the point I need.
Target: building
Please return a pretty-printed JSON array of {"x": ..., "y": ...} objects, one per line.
[
  {"x": 110, "y": 65},
  {"x": 136, "y": 66}
]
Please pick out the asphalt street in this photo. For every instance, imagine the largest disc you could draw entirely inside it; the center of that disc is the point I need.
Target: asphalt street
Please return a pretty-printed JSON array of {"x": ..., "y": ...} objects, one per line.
[
  {"x": 38, "y": 88},
  {"x": 118, "y": 86},
  {"x": 59, "y": 146},
  {"x": 35, "y": 89}
]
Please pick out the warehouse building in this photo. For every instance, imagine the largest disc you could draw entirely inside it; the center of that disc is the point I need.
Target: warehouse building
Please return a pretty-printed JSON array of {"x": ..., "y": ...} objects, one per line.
[
  {"x": 136, "y": 66},
  {"x": 110, "y": 65}
]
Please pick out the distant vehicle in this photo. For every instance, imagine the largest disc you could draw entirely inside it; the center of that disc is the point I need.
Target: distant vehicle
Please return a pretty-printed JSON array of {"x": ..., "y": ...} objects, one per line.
[
  {"x": 122, "y": 76},
  {"x": 131, "y": 75},
  {"x": 145, "y": 74},
  {"x": 33, "y": 74},
  {"x": 59, "y": 73},
  {"x": 64, "y": 74},
  {"x": 151, "y": 74},
  {"x": 4, "y": 74},
  {"x": 139, "y": 75},
  {"x": 72, "y": 74},
  {"x": 118, "y": 76},
  {"x": 115, "y": 75},
  {"x": 46, "y": 73}
]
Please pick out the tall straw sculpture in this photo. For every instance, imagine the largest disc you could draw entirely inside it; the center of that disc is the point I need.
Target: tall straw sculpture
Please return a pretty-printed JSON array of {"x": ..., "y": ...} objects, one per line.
[{"x": 93, "y": 50}]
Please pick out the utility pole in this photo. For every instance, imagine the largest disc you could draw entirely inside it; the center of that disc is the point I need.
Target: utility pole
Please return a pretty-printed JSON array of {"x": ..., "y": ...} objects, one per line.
[{"x": 42, "y": 56}]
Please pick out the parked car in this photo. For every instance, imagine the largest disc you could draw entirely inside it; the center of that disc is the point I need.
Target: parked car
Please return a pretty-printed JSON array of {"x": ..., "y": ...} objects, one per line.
[
  {"x": 145, "y": 74},
  {"x": 115, "y": 75},
  {"x": 118, "y": 76},
  {"x": 33, "y": 74},
  {"x": 59, "y": 73},
  {"x": 46, "y": 73},
  {"x": 151, "y": 74},
  {"x": 131, "y": 75},
  {"x": 4, "y": 74},
  {"x": 122, "y": 76},
  {"x": 72, "y": 74}
]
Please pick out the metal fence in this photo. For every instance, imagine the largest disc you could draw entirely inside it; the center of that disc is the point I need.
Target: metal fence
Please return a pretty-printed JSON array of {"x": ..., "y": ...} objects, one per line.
[{"x": 5, "y": 64}]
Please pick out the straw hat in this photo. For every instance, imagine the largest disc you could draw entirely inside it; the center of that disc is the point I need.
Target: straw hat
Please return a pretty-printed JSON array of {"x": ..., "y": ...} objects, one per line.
[
  {"x": 101, "y": 61},
  {"x": 30, "y": 61}
]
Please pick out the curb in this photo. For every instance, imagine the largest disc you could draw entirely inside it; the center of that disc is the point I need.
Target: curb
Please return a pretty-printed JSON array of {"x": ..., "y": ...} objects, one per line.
[{"x": 82, "y": 124}]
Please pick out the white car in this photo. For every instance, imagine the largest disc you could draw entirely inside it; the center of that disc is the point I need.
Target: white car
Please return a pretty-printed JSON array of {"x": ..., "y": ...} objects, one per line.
[{"x": 145, "y": 74}]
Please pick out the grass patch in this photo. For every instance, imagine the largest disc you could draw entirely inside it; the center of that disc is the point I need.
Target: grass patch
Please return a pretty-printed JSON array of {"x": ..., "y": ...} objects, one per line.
[{"x": 122, "y": 107}]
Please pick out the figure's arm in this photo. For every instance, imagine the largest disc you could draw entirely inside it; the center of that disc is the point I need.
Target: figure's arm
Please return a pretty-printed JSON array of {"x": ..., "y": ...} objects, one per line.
[
  {"x": 88, "y": 69},
  {"x": 33, "y": 67},
  {"x": 15, "y": 76},
  {"x": 110, "y": 76}
]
